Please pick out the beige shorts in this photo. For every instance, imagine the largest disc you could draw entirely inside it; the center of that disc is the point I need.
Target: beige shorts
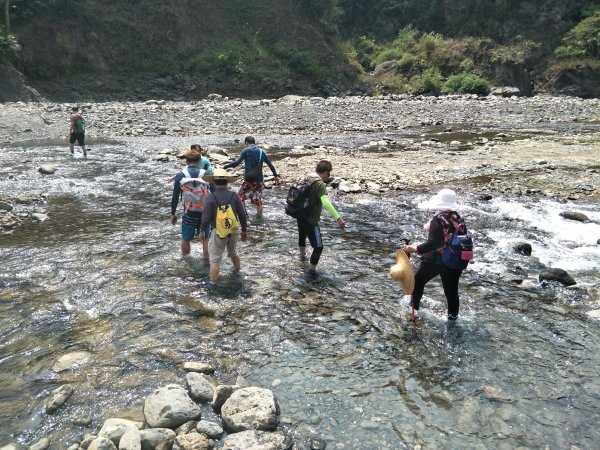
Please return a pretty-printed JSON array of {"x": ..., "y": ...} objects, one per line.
[{"x": 216, "y": 246}]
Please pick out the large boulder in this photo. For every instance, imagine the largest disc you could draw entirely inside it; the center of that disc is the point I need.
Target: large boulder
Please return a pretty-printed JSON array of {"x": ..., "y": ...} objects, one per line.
[
  {"x": 131, "y": 440},
  {"x": 157, "y": 438},
  {"x": 169, "y": 407},
  {"x": 199, "y": 387},
  {"x": 559, "y": 275},
  {"x": 101, "y": 443},
  {"x": 575, "y": 215},
  {"x": 115, "y": 428},
  {"x": 13, "y": 86},
  {"x": 257, "y": 440},
  {"x": 250, "y": 408}
]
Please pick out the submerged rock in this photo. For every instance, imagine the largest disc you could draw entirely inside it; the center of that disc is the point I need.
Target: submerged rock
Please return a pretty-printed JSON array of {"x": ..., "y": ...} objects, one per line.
[
  {"x": 559, "y": 275},
  {"x": 574, "y": 215},
  {"x": 47, "y": 169},
  {"x": 522, "y": 247},
  {"x": 42, "y": 444},
  {"x": 58, "y": 398}
]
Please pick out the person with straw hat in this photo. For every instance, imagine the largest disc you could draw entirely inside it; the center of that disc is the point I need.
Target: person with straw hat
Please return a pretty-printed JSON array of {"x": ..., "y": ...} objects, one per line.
[
  {"x": 440, "y": 228},
  {"x": 219, "y": 201}
]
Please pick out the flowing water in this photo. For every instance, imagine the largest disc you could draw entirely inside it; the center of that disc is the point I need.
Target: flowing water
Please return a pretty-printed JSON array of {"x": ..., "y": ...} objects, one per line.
[{"x": 104, "y": 275}]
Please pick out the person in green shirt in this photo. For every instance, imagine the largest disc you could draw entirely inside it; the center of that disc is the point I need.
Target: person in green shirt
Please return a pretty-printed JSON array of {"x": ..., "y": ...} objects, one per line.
[{"x": 308, "y": 225}]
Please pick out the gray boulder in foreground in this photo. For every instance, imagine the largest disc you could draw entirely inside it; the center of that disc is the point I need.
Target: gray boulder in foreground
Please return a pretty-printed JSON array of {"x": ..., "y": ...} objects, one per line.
[
  {"x": 157, "y": 438},
  {"x": 254, "y": 439},
  {"x": 559, "y": 275},
  {"x": 250, "y": 408},
  {"x": 574, "y": 215},
  {"x": 169, "y": 407},
  {"x": 199, "y": 387}
]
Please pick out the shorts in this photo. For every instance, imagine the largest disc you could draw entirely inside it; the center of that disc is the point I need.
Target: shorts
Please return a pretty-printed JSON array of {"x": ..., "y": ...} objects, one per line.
[
  {"x": 79, "y": 137},
  {"x": 190, "y": 228},
  {"x": 253, "y": 191},
  {"x": 217, "y": 246}
]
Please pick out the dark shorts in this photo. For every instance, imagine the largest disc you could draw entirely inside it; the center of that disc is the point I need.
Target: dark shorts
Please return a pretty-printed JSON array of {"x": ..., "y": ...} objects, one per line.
[
  {"x": 190, "y": 228},
  {"x": 253, "y": 191},
  {"x": 79, "y": 137}
]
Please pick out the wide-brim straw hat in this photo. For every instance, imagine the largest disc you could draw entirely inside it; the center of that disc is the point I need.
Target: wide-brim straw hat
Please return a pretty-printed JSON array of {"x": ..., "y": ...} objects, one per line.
[
  {"x": 219, "y": 174},
  {"x": 444, "y": 200},
  {"x": 402, "y": 272}
]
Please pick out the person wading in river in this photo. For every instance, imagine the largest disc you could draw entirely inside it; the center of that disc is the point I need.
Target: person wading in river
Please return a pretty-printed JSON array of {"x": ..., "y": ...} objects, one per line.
[
  {"x": 253, "y": 185},
  {"x": 77, "y": 131},
  {"x": 308, "y": 224},
  {"x": 430, "y": 251},
  {"x": 192, "y": 216},
  {"x": 224, "y": 210}
]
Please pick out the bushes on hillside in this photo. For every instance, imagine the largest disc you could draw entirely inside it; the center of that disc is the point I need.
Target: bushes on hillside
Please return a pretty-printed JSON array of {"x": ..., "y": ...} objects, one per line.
[
  {"x": 583, "y": 41},
  {"x": 467, "y": 83},
  {"x": 9, "y": 46}
]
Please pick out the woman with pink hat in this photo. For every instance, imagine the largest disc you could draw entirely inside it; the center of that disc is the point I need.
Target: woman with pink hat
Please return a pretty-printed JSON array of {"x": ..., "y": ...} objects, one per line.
[{"x": 441, "y": 228}]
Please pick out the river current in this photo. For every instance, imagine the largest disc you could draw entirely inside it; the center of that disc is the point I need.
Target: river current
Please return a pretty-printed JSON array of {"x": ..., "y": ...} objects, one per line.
[{"x": 103, "y": 274}]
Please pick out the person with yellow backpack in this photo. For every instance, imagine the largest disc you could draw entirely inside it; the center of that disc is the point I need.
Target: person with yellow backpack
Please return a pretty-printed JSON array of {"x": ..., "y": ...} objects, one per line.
[{"x": 225, "y": 211}]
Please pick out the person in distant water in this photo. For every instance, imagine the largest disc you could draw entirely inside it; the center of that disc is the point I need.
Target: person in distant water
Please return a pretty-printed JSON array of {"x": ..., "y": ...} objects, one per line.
[
  {"x": 222, "y": 198},
  {"x": 204, "y": 164},
  {"x": 253, "y": 185},
  {"x": 430, "y": 251},
  {"x": 190, "y": 222},
  {"x": 77, "y": 131},
  {"x": 308, "y": 224}
]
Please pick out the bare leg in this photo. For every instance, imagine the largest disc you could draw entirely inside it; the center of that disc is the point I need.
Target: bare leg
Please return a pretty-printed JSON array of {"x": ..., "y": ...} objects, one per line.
[
  {"x": 214, "y": 272},
  {"x": 237, "y": 264},
  {"x": 186, "y": 248},
  {"x": 84, "y": 151},
  {"x": 312, "y": 268},
  {"x": 259, "y": 211},
  {"x": 72, "y": 147},
  {"x": 205, "y": 249}
]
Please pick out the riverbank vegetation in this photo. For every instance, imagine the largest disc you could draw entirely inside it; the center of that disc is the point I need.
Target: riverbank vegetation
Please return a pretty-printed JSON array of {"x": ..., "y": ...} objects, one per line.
[{"x": 306, "y": 46}]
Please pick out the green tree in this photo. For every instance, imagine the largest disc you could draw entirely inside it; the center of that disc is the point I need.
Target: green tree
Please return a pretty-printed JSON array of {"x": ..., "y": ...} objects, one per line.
[{"x": 583, "y": 40}]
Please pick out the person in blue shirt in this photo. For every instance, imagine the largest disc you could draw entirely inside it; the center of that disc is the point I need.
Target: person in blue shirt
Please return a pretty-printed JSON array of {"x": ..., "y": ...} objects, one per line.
[
  {"x": 191, "y": 220},
  {"x": 253, "y": 185}
]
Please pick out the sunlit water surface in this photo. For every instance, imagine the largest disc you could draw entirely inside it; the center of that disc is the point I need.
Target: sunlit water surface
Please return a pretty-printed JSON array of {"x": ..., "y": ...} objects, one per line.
[{"x": 104, "y": 274}]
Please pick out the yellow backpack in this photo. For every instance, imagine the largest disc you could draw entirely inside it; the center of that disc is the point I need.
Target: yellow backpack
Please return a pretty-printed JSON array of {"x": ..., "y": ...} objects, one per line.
[{"x": 226, "y": 221}]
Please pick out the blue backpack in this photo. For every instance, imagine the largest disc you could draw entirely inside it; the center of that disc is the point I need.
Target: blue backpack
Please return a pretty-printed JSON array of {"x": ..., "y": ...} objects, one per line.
[{"x": 457, "y": 250}]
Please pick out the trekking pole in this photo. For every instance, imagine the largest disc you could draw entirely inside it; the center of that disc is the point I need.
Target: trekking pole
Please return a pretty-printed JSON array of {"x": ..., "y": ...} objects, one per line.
[{"x": 406, "y": 242}]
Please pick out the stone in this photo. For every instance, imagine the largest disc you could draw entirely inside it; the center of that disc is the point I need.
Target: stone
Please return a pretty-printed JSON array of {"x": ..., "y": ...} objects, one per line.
[
  {"x": 222, "y": 393},
  {"x": 42, "y": 444},
  {"x": 242, "y": 382},
  {"x": 82, "y": 421},
  {"x": 198, "y": 367},
  {"x": 47, "y": 169},
  {"x": 101, "y": 443},
  {"x": 115, "y": 428},
  {"x": 574, "y": 215},
  {"x": 131, "y": 440},
  {"x": 169, "y": 407},
  {"x": 556, "y": 274},
  {"x": 186, "y": 428},
  {"x": 317, "y": 443},
  {"x": 199, "y": 387},
  {"x": 594, "y": 314},
  {"x": 212, "y": 430},
  {"x": 9, "y": 447},
  {"x": 5, "y": 206},
  {"x": 58, "y": 398},
  {"x": 71, "y": 361},
  {"x": 523, "y": 247},
  {"x": 39, "y": 217},
  {"x": 192, "y": 441},
  {"x": 161, "y": 158},
  {"x": 255, "y": 439},
  {"x": 250, "y": 408},
  {"x": 157, "y": 438}
]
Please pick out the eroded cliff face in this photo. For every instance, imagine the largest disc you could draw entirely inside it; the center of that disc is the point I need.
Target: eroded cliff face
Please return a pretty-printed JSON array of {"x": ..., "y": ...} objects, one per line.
[{"x": 13, "y": 86}]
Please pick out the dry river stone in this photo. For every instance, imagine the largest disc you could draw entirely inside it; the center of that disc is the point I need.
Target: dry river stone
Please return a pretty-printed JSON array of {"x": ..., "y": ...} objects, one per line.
[
  {"x": 5, "y": 206},
  {"x": 114, "y": 429},
  {"x": 192, "y": 441},
  {"x": 101, "y": 443},
  {"x": 559, "y": 275},
  {"x": 157, "y": 438},
  {"x": 250, "y": 408},
  {"x": 58, "y": 398},
  {"x": 222, "y": 393},
  {"x": 256, "y": 439},
  {"x": 169, "y": 407},
  {"x": 212, "y": 430},
  {"x": 47, "y": 169},
  {"x": 198, "y": 367},
  {"x": 574, "y": 215},
  {"x": 199, "y": 387},
  {"x": 131, "y": 440}
]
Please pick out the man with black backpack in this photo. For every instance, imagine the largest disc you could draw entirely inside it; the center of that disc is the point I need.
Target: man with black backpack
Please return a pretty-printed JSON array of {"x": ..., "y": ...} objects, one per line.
[
  {"x": 305, "y": 203},
  {"x": 189, "y": 186},
  {"x": 446, "y": 252},
  {"x": 253, "y": 185}
]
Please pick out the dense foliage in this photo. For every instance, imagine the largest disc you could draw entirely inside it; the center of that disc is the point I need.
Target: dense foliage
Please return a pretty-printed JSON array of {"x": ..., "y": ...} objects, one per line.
[
  {"x": 583, "y": 40},
  {"x": 9, "y": 46}
]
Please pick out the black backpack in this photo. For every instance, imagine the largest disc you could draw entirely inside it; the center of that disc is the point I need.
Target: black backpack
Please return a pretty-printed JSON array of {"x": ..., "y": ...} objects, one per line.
[{"x": 297, "y": 204}]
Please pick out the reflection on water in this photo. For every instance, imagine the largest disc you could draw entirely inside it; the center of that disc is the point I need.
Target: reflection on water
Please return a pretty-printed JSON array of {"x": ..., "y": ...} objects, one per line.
[{"x": 103, "y": 275}]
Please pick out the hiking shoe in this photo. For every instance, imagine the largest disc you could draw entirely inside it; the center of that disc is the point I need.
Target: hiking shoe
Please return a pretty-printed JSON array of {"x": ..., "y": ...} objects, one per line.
[
  {"x": 452, "y": 317},
  {"x": 303, "y": 258}
]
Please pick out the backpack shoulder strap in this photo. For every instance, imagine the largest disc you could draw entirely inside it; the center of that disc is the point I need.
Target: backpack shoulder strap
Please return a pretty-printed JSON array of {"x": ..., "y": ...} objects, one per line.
[
  {"x": 216, "y": 200},
  {"x": 186, "y": 173}
]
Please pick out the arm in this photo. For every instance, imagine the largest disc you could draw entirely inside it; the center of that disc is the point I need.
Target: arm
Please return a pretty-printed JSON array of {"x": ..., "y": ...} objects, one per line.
[
  {"x": 240, "y": 212},
  {"x": 237, "y": 161},
  {"x": 266, "y": 159},
  {"x": 175, "y": 197},
  {"x": 434, "y": 241},
  {"x": 331, "y": 210},
  {"x": 208, "y": 213}
]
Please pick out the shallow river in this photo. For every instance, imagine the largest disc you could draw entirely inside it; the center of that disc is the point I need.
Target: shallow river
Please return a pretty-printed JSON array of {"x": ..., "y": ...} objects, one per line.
[{"x": 103, "y": 274}]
